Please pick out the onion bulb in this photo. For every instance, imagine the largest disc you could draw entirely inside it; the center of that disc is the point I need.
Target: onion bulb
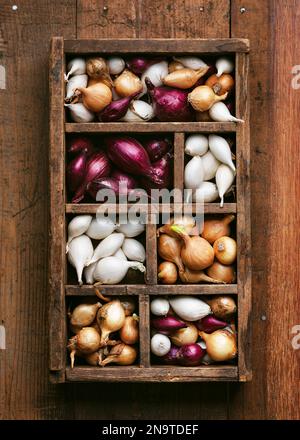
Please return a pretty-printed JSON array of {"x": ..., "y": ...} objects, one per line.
[
  {"x": 80, "y": 252},
  {"x": 196, "y": 145},
  {"x": 183, "y": 336},
  {"x": 223, "y": 306},
  {"x": 129, "y": 333},
  {"x": 191, "y": 62},
  {"x": 115, "y": 65},
  {"x": 196, "y": 276},
  {"x": 203, "y": 97},
  {"x": 93, "y": 359},
  {"x": 96, "y": 97},
  {"x": 189, "y": 308},
  {"x": 220, "y": 345},
  {"x": 175, "y": 65},
  {"x": 196, "y": 252},
  {"x": 225, "y": 250},
  {"x": 84, "y": 314},
  {"x": 160, "y": 306},
  {"x": 127, "y": 84},
  {"x": 86, "y": 341},
  {"x": 220, "y": 85},
  {"x": 169, "y": 249},
  {"x": 215, "y": 228},
  {"x": 221, "y": 272},
  {"x": 97, "y": 68},
  {"x": 220, "y": 113},
  {"x": 184, "y": 78},
  {"x": 160, "y": 344},
  {"x": 110, "y": 318},
  {"x": 224, "y": 65},
  {"x": 121, "y": 354},
  {"x": 167, "y": 272},
  {"x": 186, "y": 221},
  {"x": 128, "y": 305}
]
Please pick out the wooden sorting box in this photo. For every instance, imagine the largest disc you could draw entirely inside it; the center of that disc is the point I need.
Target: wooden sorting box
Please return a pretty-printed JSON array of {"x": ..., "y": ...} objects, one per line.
[{"x": 60, "y": 370}]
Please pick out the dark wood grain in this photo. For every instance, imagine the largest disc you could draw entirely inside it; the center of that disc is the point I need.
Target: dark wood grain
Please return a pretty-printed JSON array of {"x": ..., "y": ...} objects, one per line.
[
  {"x": 142, "y": 127},
  {"x": 161, "y": 46}
]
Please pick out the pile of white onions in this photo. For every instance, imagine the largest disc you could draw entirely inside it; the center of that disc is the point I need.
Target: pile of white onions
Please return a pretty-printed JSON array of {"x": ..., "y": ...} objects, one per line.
[
  {"x": 119, "y": 89},
  {"x": 211, "y": 172},
  {"x": 206, "y": 258},
  {"x": 116, "y": 249},
  {"x": 104, "y": 334},
  {"x": 189, "y": 331}
]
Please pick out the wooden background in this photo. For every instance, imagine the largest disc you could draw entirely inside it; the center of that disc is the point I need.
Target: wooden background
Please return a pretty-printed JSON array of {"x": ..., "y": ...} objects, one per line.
[{"x": 273, "y": 29}]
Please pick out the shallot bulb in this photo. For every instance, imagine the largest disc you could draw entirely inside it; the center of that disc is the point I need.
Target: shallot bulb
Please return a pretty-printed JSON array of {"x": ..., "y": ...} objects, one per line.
[{"x": 110, "y": 318}]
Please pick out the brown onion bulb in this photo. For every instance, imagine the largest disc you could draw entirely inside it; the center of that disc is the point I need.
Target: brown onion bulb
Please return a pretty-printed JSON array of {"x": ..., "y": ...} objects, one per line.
[
  {"x": 110, "y": 318},
  {"x": 96, "y": 97},
  {"x": 221, "y": 345},
  {"x": 221, "y": 84},
  {"x": 169, "y": 249},
  {"x": 167, "y": 272},
  {"x": 215, "y": 228},
  {"x": 94, "y": 359},
  {"x": 184, "y": 78},
  {"x": 223, "y": 306},
  {"x": 129, "y": 333},
  {"x": 202, "y": 98},
  {"x": 225, "y": 250},
  {"x": 127, "y": 84},
  {"x": 196, "y": 252},
  {"x": 121, "y": 354},
  {"x": 221, "y": 272},
  {"x": 183, "y": 336},
  {"x": 84, "y": 314},
  {"x": 86, "y": 341},
  {"x": 196, "y": 276}
]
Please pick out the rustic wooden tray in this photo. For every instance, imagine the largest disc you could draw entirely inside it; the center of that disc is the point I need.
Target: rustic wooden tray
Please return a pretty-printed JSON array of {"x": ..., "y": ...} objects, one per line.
[{"x": 60, "y": 291}]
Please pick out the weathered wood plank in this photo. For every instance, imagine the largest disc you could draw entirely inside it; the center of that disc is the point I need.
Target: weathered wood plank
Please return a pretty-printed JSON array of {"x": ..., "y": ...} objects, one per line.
[
  {"x": 144, "y": 322},
  {"x": 156, "y": 374},
  {"x": 142, "y": 127},
  {"x": 203, "y": 46},
  {"x": 24, "y": 132}
]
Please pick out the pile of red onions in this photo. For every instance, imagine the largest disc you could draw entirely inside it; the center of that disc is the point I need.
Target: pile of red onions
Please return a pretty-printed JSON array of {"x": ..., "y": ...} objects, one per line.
[{"x": 122, "y": 165}]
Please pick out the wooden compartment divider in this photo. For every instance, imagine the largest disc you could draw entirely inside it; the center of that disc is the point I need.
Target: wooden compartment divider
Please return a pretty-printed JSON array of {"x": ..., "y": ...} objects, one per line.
[{"x": 61, "y": 292}]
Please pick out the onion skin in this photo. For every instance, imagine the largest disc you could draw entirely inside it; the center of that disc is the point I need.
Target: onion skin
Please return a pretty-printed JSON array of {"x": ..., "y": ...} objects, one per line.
[
  {"x": 171, "y": 357},
  {"x": 97, "y": 166},
  {"x": 116, "y": 109},
  {"x": 157, "y": 148},
  {"x": 220, "y": 345},
  {"x": 202, "y": 98},
  {"x": 129, "y": 333},
  {"x": 129, "y": 155},
  {"x": 86, "y": 341},
  {"x": 167, "y": 273},
  {"x": 84, "y": 314},
  {"x": 223, "y": 307},
  {"x": 169, "y": 104},
  {"x": 175, "y": 65},
  {"x": 196, "y": 276},
  {"x": 127, "y": 84},
  {"x": 210, "y": 323},
  {"x": 76, "y": 171},
  {"x": 139, "y": 64},
  {"x": 79, "y": 145},
  {"x": 184, "y": 78},
  {"x": 119, "y": 176},
  {"x": 221, "y": 84},
  {"x": 169, "y": 249},
  {"x": 110, "y": 318},
  {"x": 109, "y": 183},
  {"x": 196, "y": 252},
  {"x": 167, "y": 323},
  {"x": 121, "y": 354},
  {"x": 216, "y": 228},
  {"x": 221, "y": 272},
  {"x": 183, "y": 336},
  {"x": 225, "y": 250},
  {"x": 190, "y": 355}
]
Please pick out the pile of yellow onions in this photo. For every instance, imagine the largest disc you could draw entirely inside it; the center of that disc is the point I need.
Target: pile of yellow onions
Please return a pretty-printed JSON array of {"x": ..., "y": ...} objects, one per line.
[
  {"x": 94, "y": 325},
  {"x": 193, "y": 258}
]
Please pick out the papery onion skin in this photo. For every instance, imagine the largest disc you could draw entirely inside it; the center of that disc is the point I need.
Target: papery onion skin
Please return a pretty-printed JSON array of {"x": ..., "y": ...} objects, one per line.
[
  {"x": 129, "y": 333},
  {"x": 190, "y": 355},
  {"x": 80, "y": 144},
  {"x": 129, "y": 155},
  {"x": 97, "y": 166},
  {"x": 139, "y": 64},
  {"x": 223, "y": 307},
  {"x": 76, "y": 171},
  {"x": 157, "y": 148},
  {"x": 220, "y": 85},
  {"x": 169, "y": 249},
  {"x": 170, "y": 104},
  {"x": 127, "y": 84},
  {"x": 221, "y": 272},
  {"x": 167, "y": 272},
  {"x": 121, "y": 354},
  {"x": 171, "y": 357},
  {"x": 225, "y": 250},
  {"x": 110, "y": 318},
  {"x": 160, "y": 306},
  {"x": 84, "y": 314},
  {"x": 183, "y": 336},
  {"x": 168, "y": 323},
  {"x": 88, "y": 340},
  {"x": 116, "y": 109},
  {"x": 215, "y": 228},
  {"x": 210, "y": 323},
  {"x": 220, "y": 345}
]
